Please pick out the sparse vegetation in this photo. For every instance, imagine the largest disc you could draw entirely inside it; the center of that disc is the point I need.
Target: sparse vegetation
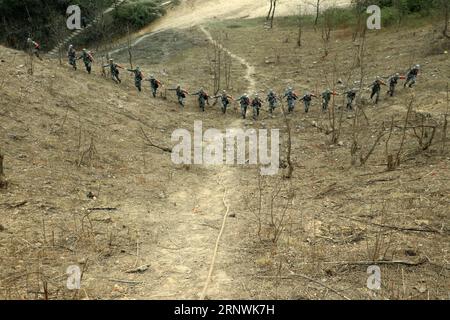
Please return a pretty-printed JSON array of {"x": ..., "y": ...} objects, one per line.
[{"x": 91, "y": 182}]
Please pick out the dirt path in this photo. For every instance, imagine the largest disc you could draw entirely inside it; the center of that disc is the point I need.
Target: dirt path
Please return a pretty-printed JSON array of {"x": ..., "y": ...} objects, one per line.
[
  {"x": 192, "y": 13},
  {"x": 250, "y": 69},
  {"x": 193, "y": 257},
  {"x": 196, "y": 12}
]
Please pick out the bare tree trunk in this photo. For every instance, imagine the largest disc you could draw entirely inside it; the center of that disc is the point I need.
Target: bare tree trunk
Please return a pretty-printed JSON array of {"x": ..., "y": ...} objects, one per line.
[
  {"x": 273, "y": 13},
  {"x": 300, "y": 26},
  {"x": 446, "y": 6},
  {"x": 316, "y": 21},
  {"x": 3, "y": 182},
  {"x": 288, "y": 175},
  {"x": 270, "y": 10},
  {"x": 129, "y": 47}
]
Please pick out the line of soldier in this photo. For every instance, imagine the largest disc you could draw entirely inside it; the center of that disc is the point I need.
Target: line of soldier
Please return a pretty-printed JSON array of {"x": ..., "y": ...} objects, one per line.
[{"x": 256, "y": 103}]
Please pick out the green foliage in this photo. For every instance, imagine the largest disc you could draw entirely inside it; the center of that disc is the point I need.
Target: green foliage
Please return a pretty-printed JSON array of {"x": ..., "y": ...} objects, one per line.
[
  {"x": 137, "y": 15},
  {"x": 43, "y": 20}
]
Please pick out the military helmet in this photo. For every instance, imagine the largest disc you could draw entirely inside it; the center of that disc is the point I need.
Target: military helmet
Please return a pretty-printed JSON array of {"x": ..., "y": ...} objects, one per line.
[
  {"x": 152, "y": 76},
  {"x": 417, "y": 66}
]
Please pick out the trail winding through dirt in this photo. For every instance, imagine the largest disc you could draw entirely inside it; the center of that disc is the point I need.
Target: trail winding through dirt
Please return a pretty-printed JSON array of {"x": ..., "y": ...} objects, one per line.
[{"x": 250, "y": 69}]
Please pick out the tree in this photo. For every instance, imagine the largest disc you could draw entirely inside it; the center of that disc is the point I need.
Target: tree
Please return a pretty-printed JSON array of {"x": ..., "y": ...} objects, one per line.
[
  {"x": 300, "y": 25},
  {"x": 3, "y": 182},
  {"x": 445, "y": 7},
  {"x": 316, "y": 20},
  {"x": 271, "y": 13}
]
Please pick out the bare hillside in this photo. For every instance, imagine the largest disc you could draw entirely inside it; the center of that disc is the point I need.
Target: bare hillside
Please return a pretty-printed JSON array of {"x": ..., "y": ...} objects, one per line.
[{"x": 88, "y": 187}]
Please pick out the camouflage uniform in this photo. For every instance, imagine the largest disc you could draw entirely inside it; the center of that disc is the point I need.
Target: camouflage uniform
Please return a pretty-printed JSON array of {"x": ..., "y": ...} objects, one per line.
[
  {"x": 272, "y": 99},
  {"x": 87, "y": 59},
  {"x": 376, "y": 89},
  {"x": 326, "y": 97},
  {"x": 34, "y": 48},
  {"x": 256, "y": 104},
  {"x": 72, "y": 55},
  {"x": 114, "y": 68},
  {"x": 181, "y": 95},
  {"x": 411, "y": 76},
  {"x": 154, "y": 84},
  {"x": 203, "y": 98},
  {"x": 307, "y": 98},
  {"x": 393, "y": 81},
  {"x": 351, "y": 95},
  {"x": 291, "y": 96},
  {"x": 245, "y": 102},
  {"x": 138, "y": 77},
  {"x": 225, "y": 99}
]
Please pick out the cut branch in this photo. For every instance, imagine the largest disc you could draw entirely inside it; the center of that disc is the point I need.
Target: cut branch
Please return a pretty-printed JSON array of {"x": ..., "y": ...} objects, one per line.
[{"x": 151, "y": 144}]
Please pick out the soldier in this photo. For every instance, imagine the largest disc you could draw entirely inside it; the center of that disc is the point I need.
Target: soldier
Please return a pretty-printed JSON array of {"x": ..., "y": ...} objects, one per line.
[
  {"x": 245, "y": 102},
  {"x": 351, "y": 95},
  {"x": 273, "y": 100},
  {"x": 203, "y": 98},
  {"x": 154, "y": 84},
  {"x": 181, "y": 95},
  {"x": 88, "y": 59},
  {"x": 34, "y": 48},
  {"x": 72, "y": 55},
  {"x": 376, "y": 88},
  {"x": 138, "y": 77},
  {"x": 114, "y": 67},
  {"x": 326, "y": 97},
  {"x": 411, "y": 76},
  {"x": 393, "y": 80},
  {"x": 291, "y": 96},
  {"x": 226, "y": 100},
  {"x": 256, "y": 104},
  {"x": 307, "y": 98}
]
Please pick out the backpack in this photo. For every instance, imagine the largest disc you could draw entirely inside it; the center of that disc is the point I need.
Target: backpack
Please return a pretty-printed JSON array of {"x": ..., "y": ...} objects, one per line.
[{"x": 155, "y": 83}]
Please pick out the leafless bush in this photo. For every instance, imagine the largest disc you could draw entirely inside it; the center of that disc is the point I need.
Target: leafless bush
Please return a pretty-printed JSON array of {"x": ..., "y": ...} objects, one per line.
[
  {"x": 3, "y": 182},
  {"x": 273, "y": 208}
]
